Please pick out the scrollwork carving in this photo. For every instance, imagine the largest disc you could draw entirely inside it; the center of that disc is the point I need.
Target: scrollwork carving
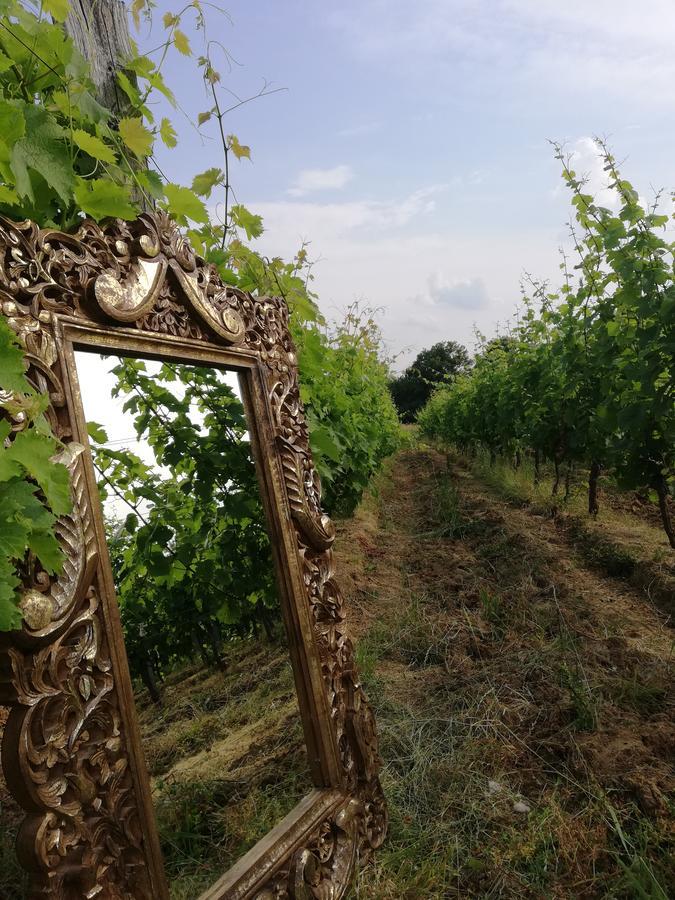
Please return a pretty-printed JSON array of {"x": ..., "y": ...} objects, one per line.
[{"x": 66, "y": 744}]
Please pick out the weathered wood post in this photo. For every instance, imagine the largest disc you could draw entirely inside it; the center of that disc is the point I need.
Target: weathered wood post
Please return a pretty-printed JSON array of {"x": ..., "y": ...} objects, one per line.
[{"x": 100, "y": 31}]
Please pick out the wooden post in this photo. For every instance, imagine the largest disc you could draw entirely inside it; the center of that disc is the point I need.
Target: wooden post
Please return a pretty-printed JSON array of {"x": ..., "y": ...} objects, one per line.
[{"x": 100, "y": 31}]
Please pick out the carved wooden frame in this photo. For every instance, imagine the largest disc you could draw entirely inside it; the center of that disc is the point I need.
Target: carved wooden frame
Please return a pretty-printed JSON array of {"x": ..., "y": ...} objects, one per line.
[{"x": 71, "y": 750}]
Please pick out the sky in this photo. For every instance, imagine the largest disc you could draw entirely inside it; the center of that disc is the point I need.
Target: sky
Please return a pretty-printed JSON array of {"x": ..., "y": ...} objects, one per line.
[{"x": 409, "y": 143}]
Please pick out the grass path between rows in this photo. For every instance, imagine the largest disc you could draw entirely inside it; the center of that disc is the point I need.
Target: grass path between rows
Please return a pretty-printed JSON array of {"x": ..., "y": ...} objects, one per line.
[{"x": 524, "y": 700}]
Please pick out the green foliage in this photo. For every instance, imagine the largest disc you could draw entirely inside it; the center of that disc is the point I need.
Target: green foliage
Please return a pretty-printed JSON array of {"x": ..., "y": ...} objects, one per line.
[
  {"x": 586, "y": 374},
  {"x": 353, "y": 423},
  {"x": 62, "y": 155},
  {"x": 33, "y": 487},
  {"x": 438, "y": 365},
  {"x": 192, "y": 560}
]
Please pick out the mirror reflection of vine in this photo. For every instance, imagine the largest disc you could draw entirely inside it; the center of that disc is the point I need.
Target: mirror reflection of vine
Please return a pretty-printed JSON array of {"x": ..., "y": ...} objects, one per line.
[
  {"x": 185, "y": 524},
  {"x": 193, "y": 571}
]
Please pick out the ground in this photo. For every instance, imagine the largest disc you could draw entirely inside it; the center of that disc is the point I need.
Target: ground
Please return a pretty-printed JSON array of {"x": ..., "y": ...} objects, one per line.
[
  {"x": 227, "y": 761},
  {"x": 518, "y": 656},
  {"x": 524, "y": 696}
]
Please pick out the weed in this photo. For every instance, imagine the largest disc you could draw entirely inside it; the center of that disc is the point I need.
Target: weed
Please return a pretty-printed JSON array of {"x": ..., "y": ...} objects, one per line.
[
  {"x": 633, "y": 693},
  {"x": 445, "y": 514},
  {"x": 494, "y": 612},
  {"x": 583, "y": 699}
]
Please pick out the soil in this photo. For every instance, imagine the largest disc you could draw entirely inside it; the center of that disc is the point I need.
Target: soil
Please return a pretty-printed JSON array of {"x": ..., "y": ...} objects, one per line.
[{"x": 483, "y": 613}]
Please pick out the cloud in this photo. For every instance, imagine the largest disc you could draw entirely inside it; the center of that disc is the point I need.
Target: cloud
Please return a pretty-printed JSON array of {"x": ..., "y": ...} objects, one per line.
[
  {"x": 618, "y": 49},
  {"x": 383, "y": 251},
  {"x": 470, "y": 294},
  {"x": 325, "y": 223},
  {"x": 586, "y": 161},
  {"x": 310, "y": 180}
]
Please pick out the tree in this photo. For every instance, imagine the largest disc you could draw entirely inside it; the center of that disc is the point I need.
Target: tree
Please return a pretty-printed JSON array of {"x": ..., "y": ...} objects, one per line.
[{"x": 438, "y": 365}]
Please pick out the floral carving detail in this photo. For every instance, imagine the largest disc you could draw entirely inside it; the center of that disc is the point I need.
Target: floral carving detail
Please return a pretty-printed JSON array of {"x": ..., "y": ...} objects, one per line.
[{"x": 65, "y": 746}]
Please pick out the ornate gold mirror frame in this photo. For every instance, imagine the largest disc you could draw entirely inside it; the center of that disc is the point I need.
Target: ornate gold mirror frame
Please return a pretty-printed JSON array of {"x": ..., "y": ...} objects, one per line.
[{"x": 71, "y": 749}]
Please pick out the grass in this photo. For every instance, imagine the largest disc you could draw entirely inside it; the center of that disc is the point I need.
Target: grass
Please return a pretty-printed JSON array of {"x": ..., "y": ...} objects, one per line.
[
  {"x": 227, "y": 761},
  {"x": 524, "y": 704},
  {"x": 625, "y": 541},
  {"x": 511, "y": 712}
]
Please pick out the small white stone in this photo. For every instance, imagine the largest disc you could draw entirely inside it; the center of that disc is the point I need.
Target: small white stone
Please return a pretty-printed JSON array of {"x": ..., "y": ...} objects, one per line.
[
  {"x": 494, "y": 787},
  {"x": 521, "y": 807}
]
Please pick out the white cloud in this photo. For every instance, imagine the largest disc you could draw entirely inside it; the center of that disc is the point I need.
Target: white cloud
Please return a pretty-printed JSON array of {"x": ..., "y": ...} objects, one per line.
[
  {"x": 310, "y": 180},
  {"x": 622, "y": 50},
  {"x": 469, "y": 294},
  {"x": 384, "y": 252},
  {"x": 324, "y": 223},
  {"x": 586, "y": 161}
]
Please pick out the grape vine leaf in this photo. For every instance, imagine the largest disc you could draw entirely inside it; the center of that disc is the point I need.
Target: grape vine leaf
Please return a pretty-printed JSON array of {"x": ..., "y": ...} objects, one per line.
[
  {"x": 252, "y": 224},
  {"x": 182, "y": 43},
  {"x": 205, "y": 182},
  {"x": 58, "y": 9},
  {"x": 168, "y": 133},
  {"x": 12, "y": 122},
  {"x": 94, "y": 146},
  {"x": 136, "y": 136},
  {"x": 34, "y": 452},
  {"x": 185, "y": 204},
  {"x": 44, "y": 151},
  {"x": 12, "y": 366},
  {"x": 99, "y": 198},
  {"x": 241, "y": 151}
]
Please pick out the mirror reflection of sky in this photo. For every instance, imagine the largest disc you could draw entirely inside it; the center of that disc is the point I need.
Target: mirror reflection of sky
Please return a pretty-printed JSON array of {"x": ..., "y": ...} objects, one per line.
[
  {"x": 410, "y": 143},
  {"x": 97, "y": 382}
]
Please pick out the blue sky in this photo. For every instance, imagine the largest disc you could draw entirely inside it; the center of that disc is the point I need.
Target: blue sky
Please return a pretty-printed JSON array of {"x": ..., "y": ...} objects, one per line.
[{"x": 410, "y": 143}]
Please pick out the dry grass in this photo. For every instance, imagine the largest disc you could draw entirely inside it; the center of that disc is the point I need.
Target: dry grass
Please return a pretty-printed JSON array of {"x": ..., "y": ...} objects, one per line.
[
  {"x": 227, "y": 761},
  {"x": 524, "y": 700}
]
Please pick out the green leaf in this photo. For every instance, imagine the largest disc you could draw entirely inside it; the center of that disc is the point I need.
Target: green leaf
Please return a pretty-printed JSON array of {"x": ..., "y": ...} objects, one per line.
[
  {"x": 97, "y": 432},
  {"x": 204, "y": 117},
  {"x": 12, "y": 365},
  {"x": 45, "y": 545},
  {"x": 137, "y": 8},
  {"x": 33, "y": 451},
  {"x": 152, "y": 183},
  {"x": 181, "y": 42},
  {"x": 168, "y": 133},
  {"x": 43, "y": 151},
  {"x": 242, "y": 218},
  {"x": 136, "y": 136},
  {"x": 129, "y": 89},
  {"x": 241, "y": 151},
  {"x": 5, "y": 63},
  {"x": 101, "y": 198},
  {"x": 204, "y": 183},
  {"x": 323, "y": 441},
  {"x": 58, "y": 9},
  {"x": 10, "y": 614},
  {"x": 94, "y": 146},
  {"x": 8, "y": 196},
  {"x": 157, "y": 82},
  {"x": 12, "y": 122},
  {"x": 185, "y": 204}
]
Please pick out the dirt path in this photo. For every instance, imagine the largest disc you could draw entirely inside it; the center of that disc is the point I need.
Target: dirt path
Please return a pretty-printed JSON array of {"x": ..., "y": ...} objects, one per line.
[{"x": 525, "y": 703}]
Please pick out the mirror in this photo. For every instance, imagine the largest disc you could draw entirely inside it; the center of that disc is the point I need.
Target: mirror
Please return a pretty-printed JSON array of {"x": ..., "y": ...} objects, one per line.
[
  {"x": 13, "y": 878},
  {"x": 194, "y": 579}
]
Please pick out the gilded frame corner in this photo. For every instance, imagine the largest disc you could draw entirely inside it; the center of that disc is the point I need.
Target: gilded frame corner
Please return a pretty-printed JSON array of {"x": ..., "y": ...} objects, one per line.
[{"x": 71, "y": 748}]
